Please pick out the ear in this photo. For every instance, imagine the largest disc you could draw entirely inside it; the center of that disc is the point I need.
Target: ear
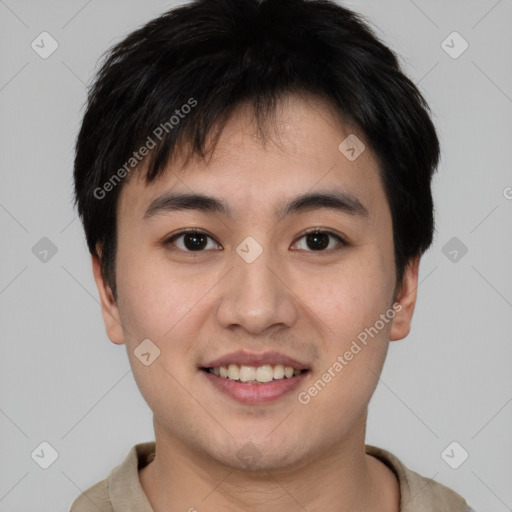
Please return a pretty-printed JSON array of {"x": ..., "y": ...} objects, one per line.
[
  {"x": 109, "y": 307},
  {"x": 405, "y": 300}
]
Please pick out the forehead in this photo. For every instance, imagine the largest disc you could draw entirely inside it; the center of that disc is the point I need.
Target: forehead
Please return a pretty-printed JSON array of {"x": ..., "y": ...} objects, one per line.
[{"x": 304, "y": 147}]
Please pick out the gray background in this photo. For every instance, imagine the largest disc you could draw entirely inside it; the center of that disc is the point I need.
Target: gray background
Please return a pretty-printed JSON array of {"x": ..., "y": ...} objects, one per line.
[{"x": 62, "y": 380}]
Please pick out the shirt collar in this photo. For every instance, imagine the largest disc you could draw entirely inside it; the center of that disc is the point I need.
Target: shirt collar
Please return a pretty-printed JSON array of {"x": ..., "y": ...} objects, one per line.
[
  {"x": 125, "y": 490},
  {"x": 127, "y": 495}
]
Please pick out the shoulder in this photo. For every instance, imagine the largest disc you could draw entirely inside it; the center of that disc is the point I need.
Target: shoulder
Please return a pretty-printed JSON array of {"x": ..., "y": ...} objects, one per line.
[
  {"x": 417, "y": 493},
  {"x": 432, "y": 495},
  {"x": 93, "y": 499},
  {"x": 121, "y": 490}
]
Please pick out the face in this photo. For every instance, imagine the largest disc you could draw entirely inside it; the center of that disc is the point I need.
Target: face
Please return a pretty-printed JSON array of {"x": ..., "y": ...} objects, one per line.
[{"x": 250, "y": 286}]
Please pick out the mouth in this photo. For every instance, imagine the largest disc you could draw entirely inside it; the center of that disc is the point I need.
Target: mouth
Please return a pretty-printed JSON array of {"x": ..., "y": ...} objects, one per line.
[
  {"x": 252, "y": 378},
  {"x": 255, "y": 375}
]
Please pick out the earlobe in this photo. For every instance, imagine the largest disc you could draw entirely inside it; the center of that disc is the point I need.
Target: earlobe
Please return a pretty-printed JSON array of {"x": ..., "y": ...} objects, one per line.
[
  {"x": 109, "y": 308},
  {"x": 405, "y": 302}
]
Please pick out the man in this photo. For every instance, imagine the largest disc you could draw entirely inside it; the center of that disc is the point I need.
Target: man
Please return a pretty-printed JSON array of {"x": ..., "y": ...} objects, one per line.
[{"x": 254, "y": 183}]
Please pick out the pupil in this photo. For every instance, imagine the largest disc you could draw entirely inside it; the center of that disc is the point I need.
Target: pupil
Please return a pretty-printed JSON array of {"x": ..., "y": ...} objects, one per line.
[
  {"x": 196, "y": 244},
  {"x": 318, "y": 241},
  {"x": 316, "y": 238}
]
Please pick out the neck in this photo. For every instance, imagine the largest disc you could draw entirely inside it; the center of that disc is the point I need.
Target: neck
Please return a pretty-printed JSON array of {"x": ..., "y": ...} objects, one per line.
[{"x": 342, "y": 479}]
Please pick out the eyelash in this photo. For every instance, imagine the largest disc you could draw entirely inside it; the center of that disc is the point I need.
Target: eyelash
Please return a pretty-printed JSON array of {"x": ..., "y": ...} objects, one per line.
[{"x": 169, "y": 241}]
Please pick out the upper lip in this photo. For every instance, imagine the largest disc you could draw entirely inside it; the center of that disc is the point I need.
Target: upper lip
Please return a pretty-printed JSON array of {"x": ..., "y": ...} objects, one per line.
[{"x": 243, "y": 357}]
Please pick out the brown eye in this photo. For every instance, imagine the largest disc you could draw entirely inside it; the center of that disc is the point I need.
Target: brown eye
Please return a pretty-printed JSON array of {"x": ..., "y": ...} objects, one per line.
[
  {"x": 320, "y": 240},
  {"x": 192, "y": 241}
]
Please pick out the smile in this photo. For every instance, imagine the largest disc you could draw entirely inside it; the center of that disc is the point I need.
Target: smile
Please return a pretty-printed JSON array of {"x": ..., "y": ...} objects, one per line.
[
  {"x": 253, "y": 391},
  {"x": 253, "y": 374}
]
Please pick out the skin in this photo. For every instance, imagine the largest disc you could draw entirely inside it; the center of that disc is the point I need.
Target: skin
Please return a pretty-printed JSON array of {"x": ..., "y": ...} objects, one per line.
[{"x": 309, "y": 304}]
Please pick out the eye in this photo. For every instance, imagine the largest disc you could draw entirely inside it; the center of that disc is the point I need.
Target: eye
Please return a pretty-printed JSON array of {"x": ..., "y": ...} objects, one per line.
[
  {"x": 317, "y": 240},
  {"x": 194, "y": 240}
]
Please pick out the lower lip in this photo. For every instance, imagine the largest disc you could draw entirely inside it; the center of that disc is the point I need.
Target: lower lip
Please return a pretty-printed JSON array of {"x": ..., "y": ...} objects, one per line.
[{"x": 255, "y": 393}]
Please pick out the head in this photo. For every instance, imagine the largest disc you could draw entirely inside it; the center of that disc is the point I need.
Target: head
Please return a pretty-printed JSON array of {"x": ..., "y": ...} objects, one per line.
[{"x": 253, "y": 104}]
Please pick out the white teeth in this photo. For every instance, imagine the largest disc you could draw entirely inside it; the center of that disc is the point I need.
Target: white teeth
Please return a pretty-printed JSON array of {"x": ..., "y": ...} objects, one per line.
[
  {"x": 278, "y": 371},
  {"x": 247, "y": 373},
  {"x": 265, "y": 373},
  {"x": 233, "y": 372},
  {"x": 288, "y": 372}
]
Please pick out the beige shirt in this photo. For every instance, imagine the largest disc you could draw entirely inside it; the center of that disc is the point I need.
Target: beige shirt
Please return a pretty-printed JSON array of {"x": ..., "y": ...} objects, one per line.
[{"x": 122, "y": 490}]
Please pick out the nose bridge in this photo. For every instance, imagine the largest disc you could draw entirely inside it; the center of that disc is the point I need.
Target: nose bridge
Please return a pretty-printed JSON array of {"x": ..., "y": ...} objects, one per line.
[{"x": 255, "y": 296}]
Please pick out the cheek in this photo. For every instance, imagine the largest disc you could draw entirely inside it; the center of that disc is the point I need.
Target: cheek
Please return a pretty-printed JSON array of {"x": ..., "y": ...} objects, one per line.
[
  {"x": 140, "y": 306},
  {"x": 147, "y": 303},
  {"x": 354, "y": 346},
  {"x": 350, "y": 298},
  {"x": 162, "y": 303},
  {"x": 157, "y": 305}
]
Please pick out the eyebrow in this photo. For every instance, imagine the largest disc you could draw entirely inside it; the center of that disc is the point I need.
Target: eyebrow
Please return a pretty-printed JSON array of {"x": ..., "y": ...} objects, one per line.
[{"x": 341, "y": 201}]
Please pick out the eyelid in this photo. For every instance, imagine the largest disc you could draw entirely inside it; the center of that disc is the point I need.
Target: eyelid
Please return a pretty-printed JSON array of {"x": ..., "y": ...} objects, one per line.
[
  {"x": 171, "y": 238},
  {"x": 326, "y": 231},
  {"x": 341, "y": 239},
  {"x": 168, "y": 243},
  {"x": 184, "y": 231}
]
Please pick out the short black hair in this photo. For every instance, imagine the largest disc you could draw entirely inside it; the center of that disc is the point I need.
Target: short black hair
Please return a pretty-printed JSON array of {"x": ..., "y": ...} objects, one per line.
[{"x": 176, "y": 81}]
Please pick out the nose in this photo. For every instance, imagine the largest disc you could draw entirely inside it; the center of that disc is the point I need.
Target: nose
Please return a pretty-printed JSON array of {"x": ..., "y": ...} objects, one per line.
[{"x": 256, "y": 297}]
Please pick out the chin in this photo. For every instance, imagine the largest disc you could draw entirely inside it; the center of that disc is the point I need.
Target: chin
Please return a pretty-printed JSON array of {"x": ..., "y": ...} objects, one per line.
[{"x": 260, "y": 453}]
